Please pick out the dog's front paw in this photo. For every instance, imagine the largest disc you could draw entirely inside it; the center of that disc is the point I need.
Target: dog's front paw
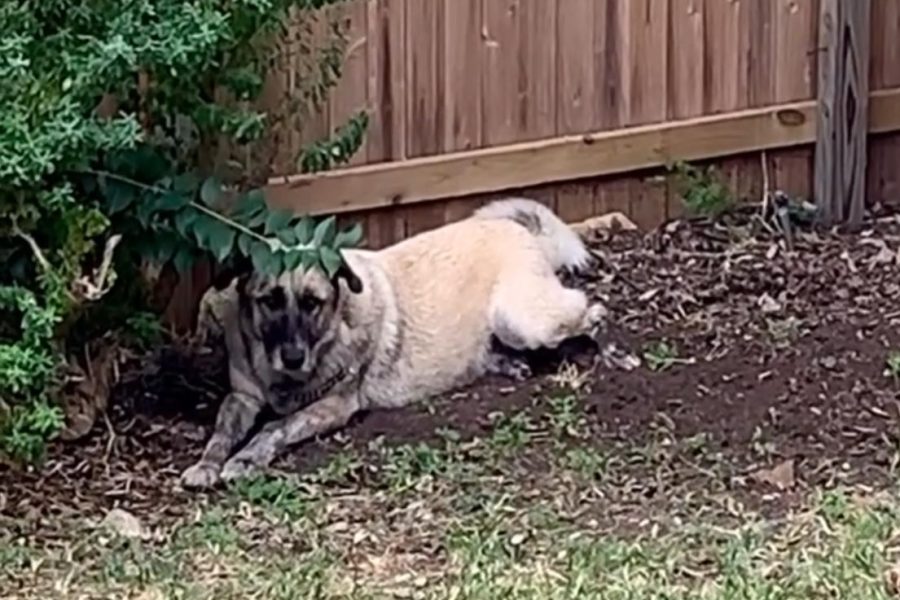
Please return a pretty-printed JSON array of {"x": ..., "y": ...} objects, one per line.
[
  {"x": 239, "y": 468},
  {"x": 200, "y": 475}
]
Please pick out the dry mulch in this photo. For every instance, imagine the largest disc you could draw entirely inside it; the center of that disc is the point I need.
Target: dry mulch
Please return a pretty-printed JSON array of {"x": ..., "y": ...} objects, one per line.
[{"x": 781, "y": 358}]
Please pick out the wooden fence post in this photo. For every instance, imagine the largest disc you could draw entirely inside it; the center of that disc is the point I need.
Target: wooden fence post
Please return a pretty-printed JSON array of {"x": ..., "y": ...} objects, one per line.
[{"x": 843, "y": 90}]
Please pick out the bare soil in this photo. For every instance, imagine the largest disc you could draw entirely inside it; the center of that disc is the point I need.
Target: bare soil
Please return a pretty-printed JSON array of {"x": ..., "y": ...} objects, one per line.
[{"x": 780, "y": 357}]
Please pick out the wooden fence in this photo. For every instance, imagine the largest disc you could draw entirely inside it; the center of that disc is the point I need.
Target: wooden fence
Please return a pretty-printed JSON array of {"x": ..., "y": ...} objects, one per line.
[
  {"x": 577, "y": 103},
  {"x": 473, "y": 97}
]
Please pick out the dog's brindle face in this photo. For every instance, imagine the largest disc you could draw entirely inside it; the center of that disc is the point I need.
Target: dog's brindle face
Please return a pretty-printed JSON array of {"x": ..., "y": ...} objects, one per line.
[{"x": 295, "y": 317}]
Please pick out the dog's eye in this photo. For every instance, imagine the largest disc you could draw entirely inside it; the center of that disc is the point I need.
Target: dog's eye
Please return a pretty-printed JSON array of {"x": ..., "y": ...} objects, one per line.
[
  {"x": 309, "y": 303},
  {"x": 274, "y": 300}
]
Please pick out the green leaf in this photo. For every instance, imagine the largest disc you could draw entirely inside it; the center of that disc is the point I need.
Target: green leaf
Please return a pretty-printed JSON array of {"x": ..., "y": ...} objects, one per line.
[
  {"x": 147, "y": 208},
  {"x": 277, "y": 220},
  {"x": 184, "y": 220},
  {"x": 331, "y": 260},
  {"x": 274, "y": 264},
  {"x": 119, "y": 195},
  {"x": 186, "y": 183},
  {"x": 201, "y": 228},
  {"x": 249, "y": 205},
  {"x": 304, "y": 230},
  {"x": 171, "y": 201},
  {"x": 309, "y": 259},
  {"x": 221, "y": 240},
  {"x": 166, "y": 245},
  {"x": 287, "y": 236},
  {"x": 260, "y": 254},
  {"x": 325, "y": 231},
  {"x": 211, "y": 191},
  {"x": 349, "y": 237},
  {"x": 293, "y": 260},
  {"x": 183, "y": 260},
  {"x": 245, "y": 243},
  {"x": 258, "y": 219}
]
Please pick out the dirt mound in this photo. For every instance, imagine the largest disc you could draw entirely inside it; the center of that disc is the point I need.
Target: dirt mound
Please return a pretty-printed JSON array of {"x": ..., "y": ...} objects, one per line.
[{"x": 770, "y": 353}]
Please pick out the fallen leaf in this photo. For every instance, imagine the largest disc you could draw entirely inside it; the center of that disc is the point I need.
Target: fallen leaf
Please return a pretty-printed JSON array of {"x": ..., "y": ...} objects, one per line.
[
  {"x": 780, "y": 476},
  {"x": 124, "y": 523},
  {"x": 768, "y": 304},
  {"x": 614, "y": 221},
  {"x": 892, "y": 580}
]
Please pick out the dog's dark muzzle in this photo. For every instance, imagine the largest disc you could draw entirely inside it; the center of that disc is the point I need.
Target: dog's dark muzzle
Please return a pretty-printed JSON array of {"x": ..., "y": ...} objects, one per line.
[{"x": 293, "y": 357}]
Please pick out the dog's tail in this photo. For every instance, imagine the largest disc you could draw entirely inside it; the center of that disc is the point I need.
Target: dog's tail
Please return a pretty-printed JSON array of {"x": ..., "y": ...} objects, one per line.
[{"x": 564, "y": 248}]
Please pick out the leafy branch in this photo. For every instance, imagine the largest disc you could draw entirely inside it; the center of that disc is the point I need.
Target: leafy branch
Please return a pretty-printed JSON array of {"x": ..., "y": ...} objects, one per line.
[{"x": 274, "y": 240}]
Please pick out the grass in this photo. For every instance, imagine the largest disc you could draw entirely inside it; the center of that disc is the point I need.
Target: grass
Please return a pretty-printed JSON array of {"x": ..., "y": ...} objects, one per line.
[
  {"x": 839, "y": 547},
  {"x": 537, "y": 509}
]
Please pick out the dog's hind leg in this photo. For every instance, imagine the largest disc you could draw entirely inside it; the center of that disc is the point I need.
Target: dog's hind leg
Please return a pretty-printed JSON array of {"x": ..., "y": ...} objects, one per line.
[
  {"x": 328, "y": 414},
  {"x": 533, "y": 312}
]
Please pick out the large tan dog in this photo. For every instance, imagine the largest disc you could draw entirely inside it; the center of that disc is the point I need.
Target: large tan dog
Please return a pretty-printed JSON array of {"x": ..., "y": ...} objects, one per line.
[{"x": 393, "y": 327}]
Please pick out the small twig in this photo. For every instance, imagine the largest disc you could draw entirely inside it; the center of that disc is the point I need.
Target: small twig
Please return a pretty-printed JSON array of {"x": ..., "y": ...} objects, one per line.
[
  {"x": 35, "y": 249},
  {"x": 767, "y": 190},
  {"x": 273, "y": 243},
  {"x": 110, "y": 443}
]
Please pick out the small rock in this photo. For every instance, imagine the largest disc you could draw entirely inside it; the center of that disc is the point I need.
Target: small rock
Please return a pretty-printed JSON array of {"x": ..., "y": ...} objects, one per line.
[
  {"x": 780, "y": 476},
  {"x": 768, "y": 304},
  {"x": 828, "y": 362},
  {"x": 124, "y": 523}
]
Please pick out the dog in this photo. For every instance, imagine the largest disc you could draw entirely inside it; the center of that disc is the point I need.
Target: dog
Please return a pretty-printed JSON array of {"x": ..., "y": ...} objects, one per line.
[{"x": 392, "y": 327}]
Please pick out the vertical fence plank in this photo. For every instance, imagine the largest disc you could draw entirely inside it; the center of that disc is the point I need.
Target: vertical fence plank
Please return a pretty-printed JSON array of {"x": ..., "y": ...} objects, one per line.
[
  {"x": 537, "y": 70},
  {"x": 796, "y": 44},
  {"x": 723, "y": 77},
  {"x": 424, "y": 75},
  {"x": 758, "y": 56},
  {"x": 722, "y": 65},
  {"x": 644, "y": 76},
  {"x": 687, "y": 58},
  {"x": 575, "y": 94},
  {"x": 687, "y": 66},
  {"x": 425, "y": 22},
  {"x": 500, "y": 74},
  {"x": 350, "y": 94},
  {"x": 462, "y": 87},
  {"x": 386, "y": 28},
  {"x": 609, "y": 96},
  {"x": 843, "y": 111},
  {"x": 883, "y": 180}
]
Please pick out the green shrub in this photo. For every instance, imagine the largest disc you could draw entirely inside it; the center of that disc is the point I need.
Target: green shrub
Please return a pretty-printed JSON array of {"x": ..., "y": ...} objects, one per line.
[
  {"x": 701, "y": 190},
  {"x": 127, "y": 132}
]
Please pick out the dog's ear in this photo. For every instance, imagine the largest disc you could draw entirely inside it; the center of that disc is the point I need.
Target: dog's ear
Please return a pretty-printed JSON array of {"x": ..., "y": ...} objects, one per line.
[
  {"x": 354, "y": 283},
  {"x": 240, "y": 267}
]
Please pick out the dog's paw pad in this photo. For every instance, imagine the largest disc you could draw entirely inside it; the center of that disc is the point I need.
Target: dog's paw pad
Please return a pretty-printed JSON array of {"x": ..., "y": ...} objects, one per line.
[{"x": 199, "y": 476}]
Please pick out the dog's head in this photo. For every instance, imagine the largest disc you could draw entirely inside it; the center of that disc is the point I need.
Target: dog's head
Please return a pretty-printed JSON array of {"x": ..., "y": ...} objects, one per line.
[{"x": 296, "y": 316}]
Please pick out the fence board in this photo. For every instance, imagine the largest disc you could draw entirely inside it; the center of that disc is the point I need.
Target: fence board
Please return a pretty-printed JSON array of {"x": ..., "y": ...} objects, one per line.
[
  {"x": 425, "y": 80},
  {"x": 722, "y": 73},
  {"x": 351, "y": 93},
  {"x": 645, "y": 54},
  {"x": 796, "y": 44},
  {"x": 883, "y": 176},
  {"x": 501, "y": 87},
  {"x": 537, "y": 68},
  {"x": 575, "y": 93},
  {"x": 687, "y": 58}
]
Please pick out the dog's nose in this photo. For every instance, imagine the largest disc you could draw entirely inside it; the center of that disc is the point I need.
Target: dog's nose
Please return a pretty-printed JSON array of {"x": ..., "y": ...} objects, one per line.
[{"x": 293, "y": 356}]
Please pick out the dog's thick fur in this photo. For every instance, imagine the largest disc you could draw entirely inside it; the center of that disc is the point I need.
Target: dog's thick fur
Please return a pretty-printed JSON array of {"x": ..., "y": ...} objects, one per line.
[{"x": 393, "y": 327}]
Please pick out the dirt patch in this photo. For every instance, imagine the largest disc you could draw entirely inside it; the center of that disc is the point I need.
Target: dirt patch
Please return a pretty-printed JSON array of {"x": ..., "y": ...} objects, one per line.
[{"x": 772, "y": 355}]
